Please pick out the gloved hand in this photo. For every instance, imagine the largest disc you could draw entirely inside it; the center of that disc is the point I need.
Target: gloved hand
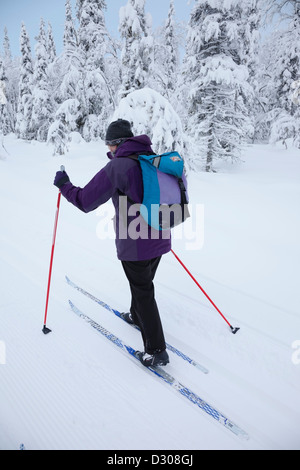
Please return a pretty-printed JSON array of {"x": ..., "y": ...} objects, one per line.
[{"x": 61, "y": 178}]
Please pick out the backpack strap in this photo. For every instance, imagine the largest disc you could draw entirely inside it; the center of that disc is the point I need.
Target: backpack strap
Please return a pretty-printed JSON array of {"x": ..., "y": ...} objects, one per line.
[
  {"x": 135, "y": 156},
  {"x": 182, "y": 188}
]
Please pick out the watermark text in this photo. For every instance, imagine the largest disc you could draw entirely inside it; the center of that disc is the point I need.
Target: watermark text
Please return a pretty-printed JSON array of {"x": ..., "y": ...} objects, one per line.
[
  {"x": 131, "y": 223},
  {"x": 296, "y": 353},
  {"x": 2, "y": 353}
]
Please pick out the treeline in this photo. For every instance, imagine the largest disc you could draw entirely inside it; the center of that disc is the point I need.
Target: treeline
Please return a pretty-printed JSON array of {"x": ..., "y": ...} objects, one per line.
[{"x": 232, "y": 85}]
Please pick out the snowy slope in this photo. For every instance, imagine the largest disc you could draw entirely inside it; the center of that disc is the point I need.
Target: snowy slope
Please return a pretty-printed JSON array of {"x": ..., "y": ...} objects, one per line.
[{"x": 72, "y": 389}]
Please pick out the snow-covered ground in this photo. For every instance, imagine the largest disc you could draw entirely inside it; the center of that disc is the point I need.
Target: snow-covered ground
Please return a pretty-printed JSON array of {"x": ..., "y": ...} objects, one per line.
[{"x": 73, "y": 389}]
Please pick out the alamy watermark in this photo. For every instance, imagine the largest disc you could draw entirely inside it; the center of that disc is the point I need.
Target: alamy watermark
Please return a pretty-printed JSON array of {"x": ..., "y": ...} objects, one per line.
[
  {"x": 132, "y": 225},
  {"x": 296, "y": 353},
  {"x": 2, "y": 353}
]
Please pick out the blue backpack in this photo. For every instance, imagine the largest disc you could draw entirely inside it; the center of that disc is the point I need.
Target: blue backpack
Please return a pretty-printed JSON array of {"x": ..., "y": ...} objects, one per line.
[{"x": 165, "y": 197}]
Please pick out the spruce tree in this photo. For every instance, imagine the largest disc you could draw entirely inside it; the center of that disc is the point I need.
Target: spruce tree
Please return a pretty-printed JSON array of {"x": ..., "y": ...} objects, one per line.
[
  {"x": 92, "y": 33},
  {"x": 24, "y": 111},
  {"x": 65, "y": 122},
  {"x": 249, "y": 27},
  {"x": 69, "y": 63},
  {"x": 5, "y": 127},
  {"x": 165, "y": 73},
  {"x": 42, "y": 106},
  {"x": 10, "y": 81},
  {"x": 51, "y": 49},
  {"x": 70, "y": 35},
  {"x": 137, "y": 50},
  {"x": 284, "y": 67},
  {"x": 171, "y": 52},
  {"x": 93, "y": 45},
  {"x": 68, "y": 68},
  {"x": 217, "y": 81}
]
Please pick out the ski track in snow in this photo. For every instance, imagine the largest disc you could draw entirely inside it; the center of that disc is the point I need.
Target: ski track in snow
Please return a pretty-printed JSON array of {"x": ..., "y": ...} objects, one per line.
[{"x": 72, "y": 389}]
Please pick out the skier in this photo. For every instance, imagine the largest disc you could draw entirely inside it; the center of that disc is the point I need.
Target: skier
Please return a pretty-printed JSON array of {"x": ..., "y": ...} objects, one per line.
[{"x": 139, "y": 252}]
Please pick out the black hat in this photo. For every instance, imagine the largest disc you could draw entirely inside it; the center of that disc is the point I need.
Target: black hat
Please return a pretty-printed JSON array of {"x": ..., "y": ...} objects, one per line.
[{"x": 118, "y": 130}]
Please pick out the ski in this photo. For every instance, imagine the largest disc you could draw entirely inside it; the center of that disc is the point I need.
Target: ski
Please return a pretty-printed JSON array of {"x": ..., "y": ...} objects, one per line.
[
  {"x": 166, "y": 377},
  {"x": 118, "y": 314}
]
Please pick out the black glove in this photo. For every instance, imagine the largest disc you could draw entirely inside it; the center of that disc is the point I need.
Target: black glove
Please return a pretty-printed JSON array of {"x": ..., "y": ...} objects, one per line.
[{"x": 61, "y": 178}]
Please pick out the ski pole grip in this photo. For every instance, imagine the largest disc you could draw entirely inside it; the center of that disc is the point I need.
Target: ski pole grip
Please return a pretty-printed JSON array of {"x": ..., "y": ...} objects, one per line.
[{"x": 62, "y": 168}]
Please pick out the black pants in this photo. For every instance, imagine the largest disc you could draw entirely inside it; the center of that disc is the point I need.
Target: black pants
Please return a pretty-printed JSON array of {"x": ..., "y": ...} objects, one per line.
[{"x": 140, "y": 275}]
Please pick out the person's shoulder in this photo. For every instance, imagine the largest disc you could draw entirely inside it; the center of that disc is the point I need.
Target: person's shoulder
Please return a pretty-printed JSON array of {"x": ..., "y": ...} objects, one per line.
[
  {"x": 124, "y": 162},
  {"x": 120, "y": 167}
]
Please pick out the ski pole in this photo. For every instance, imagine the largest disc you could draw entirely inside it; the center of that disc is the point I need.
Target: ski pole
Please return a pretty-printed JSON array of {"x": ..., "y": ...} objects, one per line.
[
  {"x": 233, "y": 329},
  {"x": 45, "y": 329}
]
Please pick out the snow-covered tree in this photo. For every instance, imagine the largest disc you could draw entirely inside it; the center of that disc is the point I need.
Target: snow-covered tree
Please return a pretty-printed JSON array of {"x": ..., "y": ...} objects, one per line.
[
  {"x": 165, "y": 73},
  {"x": 6, "y": 47},
  {"x": 147, "y": 42},
  {"x": 295, "y": 95},
  {"x": 70, "y": 34},
  {"x": 51, "y": 49},
  {"x": 150, "y": 113},
  {"x": 68, "y": 92},
  {"x": 137, "y": 50},
  {"x": 66, "y": 121},
  {"x": 3, "y": 109},
  {"x": 93, "y": 45},
  {"x": 217, "y": 81},
  {"x": 82, "y": 68},
  {"x": 53, "y": 71},
  {"x": 24, "y": 112},
  {"x": 11, "y": 67},
  {"x": 58, "y": 135},
  {"x": 68, "y": 64},
  {"x": 249, "y": 22},
  {"x": 279, "y": 70},
  {"x": 79, "y": 6},
  {"x": 5, "y": 126},
  {"x": 42, "y": 106},
  {"x": 171, "y": 53},
  {"x": 92, "y": 33},
  {"x": 3, "y": 99},
  {"x": 286, "y": 123},
  {"x": 265, "y": 90},
  {"x": 248, "y": 15}
]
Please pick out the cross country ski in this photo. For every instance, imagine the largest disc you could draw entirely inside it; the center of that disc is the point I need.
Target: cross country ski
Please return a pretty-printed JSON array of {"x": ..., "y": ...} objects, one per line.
[
  {"x": 163, "y": 375},
  {"x": 119, "y": 315}
]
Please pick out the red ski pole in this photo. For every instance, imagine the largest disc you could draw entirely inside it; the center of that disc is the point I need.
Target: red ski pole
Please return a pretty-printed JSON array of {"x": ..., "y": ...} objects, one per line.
[
  {"x": 45, "y": 329},
  {"x": 233, "y": 329}
]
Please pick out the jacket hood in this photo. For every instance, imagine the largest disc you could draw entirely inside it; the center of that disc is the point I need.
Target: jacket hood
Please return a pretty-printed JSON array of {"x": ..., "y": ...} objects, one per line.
[{"x": 140, "y": 143}]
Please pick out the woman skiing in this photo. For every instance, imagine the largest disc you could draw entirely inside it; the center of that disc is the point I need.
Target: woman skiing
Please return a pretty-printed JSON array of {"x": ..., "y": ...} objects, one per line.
[{"x": 139, "y": 248}]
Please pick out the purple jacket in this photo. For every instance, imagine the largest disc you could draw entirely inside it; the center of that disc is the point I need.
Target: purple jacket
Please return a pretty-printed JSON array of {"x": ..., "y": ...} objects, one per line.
[{"x": 135, "y": 240}]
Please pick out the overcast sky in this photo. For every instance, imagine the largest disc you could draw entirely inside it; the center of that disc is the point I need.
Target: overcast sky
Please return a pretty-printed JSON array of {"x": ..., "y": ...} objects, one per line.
[{"x": 14, "y": 12}]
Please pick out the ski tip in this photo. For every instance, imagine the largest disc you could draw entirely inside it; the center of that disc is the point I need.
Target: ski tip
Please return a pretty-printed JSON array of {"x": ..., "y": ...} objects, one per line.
[{"x": 201, "y": 368}]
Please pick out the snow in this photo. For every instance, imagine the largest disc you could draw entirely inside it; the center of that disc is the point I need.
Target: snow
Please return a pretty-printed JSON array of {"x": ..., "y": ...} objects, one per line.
[{"x": 73, "y": 389}]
